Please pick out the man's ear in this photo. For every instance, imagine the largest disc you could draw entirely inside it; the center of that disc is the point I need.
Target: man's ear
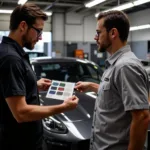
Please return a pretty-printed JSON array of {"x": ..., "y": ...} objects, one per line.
[
  {"x": 23, "y": 26},
  {"x": 114, "y": 32}
]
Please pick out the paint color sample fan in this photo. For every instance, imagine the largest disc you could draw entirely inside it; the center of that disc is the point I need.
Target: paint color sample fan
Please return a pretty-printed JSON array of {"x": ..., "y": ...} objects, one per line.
[{"x": 60, "y": 90}]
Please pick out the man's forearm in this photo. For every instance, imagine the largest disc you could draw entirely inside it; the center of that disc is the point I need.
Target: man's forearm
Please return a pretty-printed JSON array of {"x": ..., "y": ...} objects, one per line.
[
  {"x": 94, "y": 87},
  {"x": 138, "y": 132},
  {"x": 32, "y": 112}
]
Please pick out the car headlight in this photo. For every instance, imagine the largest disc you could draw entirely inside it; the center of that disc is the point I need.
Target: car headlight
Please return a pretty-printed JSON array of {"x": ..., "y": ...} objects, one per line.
[{"x": 53, "y": 125}]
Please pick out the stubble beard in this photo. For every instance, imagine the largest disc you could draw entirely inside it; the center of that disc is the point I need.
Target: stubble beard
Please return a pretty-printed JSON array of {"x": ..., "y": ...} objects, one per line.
[
  {"x": 101, "y": 49},
  {"x": 104, "y": 47},
  {"x": 27, "y": 44}
]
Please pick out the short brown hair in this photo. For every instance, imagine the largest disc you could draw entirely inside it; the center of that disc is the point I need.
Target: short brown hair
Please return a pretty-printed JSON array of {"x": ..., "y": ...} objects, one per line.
[
  {"x": 28, "y": 12},
  {"x": 116, "y": 19}
]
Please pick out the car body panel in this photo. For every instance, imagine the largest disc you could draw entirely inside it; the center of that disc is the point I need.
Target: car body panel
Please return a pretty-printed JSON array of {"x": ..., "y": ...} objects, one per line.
[{"x": 83, "y": 111}]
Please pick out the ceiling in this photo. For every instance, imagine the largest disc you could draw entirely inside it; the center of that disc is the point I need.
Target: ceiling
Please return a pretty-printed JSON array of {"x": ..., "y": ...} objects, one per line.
[{"x": 73, "y": 5}]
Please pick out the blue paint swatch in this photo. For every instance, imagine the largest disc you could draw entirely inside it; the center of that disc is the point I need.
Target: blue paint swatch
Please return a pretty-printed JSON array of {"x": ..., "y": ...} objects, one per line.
[{"x": 52, "y": 92}]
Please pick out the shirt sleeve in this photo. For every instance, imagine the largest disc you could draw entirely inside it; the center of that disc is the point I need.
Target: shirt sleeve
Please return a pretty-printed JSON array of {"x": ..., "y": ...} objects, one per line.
[
  {"x": 133, "y": 87},
  {"x": 12, "y": 77}
]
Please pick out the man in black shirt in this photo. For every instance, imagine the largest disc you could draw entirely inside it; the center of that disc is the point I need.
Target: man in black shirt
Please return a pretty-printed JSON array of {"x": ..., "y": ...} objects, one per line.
[{"x": 20, "y": 110}]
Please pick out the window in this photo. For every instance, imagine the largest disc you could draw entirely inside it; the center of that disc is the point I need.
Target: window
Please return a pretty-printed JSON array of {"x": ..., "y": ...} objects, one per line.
[{"x": 66, "y": 71}]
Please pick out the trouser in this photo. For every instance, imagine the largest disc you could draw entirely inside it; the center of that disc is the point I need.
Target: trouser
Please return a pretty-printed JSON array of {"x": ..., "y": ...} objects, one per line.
[{"x": 11, "y": 143}]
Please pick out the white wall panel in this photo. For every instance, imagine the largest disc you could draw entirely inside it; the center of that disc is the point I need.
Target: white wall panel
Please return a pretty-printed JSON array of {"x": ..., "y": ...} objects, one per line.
[
  {"x": 82, "y": 28},
  {"x": 4, "y": 22},
  {"x": 74, "y": 33},
  {"x": 140, "y": 17},
  {"x": 89, "y": 28},
  {"x": 141, "y": 35},
  {"x": 47, "y": 26},
  {"x": 74, "y": 18},
  {"x": 58, "y": 27},
  {"x": 73, "y": 27}
]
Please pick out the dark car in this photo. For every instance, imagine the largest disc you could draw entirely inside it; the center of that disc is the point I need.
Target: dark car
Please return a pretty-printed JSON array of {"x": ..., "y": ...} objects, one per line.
[
  {"x": 69, "y": 130},
  {"x": 33, "y": 54}
]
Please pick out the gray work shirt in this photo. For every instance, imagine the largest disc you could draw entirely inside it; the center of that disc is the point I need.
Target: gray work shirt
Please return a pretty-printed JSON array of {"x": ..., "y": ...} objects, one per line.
[{"x": 124, "y": 87}]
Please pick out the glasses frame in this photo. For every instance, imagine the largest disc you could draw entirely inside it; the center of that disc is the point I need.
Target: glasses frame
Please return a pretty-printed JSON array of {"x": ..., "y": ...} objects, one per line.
[
  {"x": 98, "y": 33},
  {"x": 39, "y": 32}
]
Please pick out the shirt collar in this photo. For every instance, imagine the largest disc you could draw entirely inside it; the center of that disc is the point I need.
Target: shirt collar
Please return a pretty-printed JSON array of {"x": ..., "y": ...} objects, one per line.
[
  {"x": 12, "y": 42},
  {"x": 112, "y": 59}
]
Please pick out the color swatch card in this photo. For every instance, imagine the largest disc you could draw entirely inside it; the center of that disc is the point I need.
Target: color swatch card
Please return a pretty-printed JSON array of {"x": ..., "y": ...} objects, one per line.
[{"x": 60, "y": 90}]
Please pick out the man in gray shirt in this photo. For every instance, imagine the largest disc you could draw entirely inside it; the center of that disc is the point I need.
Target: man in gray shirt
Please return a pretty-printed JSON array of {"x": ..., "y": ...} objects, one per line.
[{"x": 121, "y": 113}]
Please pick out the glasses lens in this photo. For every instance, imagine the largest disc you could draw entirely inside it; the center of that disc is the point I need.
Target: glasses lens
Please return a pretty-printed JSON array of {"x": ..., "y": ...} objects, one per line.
[
  {"x": 39, "y": 32},
  {"x": 97, "y": 33}
]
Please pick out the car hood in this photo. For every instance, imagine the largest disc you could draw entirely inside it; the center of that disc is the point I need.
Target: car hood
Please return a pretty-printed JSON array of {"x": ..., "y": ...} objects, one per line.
[{"x": 84, "y": 110}]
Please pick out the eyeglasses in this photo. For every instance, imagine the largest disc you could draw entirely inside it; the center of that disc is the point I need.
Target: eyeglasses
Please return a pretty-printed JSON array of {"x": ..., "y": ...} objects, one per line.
[
  {"x": 97, "y": 33},
  {"x": 39, "y": 32}
]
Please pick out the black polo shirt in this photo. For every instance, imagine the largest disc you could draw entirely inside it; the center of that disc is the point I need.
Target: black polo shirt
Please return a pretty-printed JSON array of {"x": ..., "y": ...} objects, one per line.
[{"x": 17, "y": 79}]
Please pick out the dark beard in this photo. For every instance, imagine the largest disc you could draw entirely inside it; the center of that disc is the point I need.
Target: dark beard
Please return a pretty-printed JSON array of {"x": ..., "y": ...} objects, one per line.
[
  {"x": 102, "y": 50},
  {"x": 27, "y": 44}
]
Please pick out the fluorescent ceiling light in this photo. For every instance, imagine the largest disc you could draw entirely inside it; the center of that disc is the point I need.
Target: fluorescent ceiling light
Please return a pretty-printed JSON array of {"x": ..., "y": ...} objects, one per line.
[
  {"x": 93, "y": 3},
  {"x": 3, "y": 11},
  {"x": 48, "y": 13},
  {"x": 146, "y": 26},
  {"x": 96, "y": 15},
  {"x": 139, "y": 2},
  {"x": 21, "y": 2},
  {"x": 123, "y": 7},
  {"x": 127, "y": 5},
  {"x": 6, "y": 11}
]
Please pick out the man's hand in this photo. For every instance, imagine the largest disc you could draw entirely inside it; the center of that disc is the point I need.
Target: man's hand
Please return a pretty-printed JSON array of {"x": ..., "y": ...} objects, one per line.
[
  {"x": 82, "y": 86},
  {"x": 71, "y": 103},
  {"x": 43, "y": 84}
]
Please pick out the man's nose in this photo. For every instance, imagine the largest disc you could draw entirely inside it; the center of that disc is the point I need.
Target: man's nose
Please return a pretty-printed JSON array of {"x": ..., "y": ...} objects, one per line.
[
  {"x": 95, "y": 38},
  {"x": 40, "y": 37}
]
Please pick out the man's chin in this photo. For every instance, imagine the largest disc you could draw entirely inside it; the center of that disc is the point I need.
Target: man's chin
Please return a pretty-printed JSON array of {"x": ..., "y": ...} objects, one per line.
[
  {"x": 30, "y": 48},
  {"x": 102, "y": 50}
]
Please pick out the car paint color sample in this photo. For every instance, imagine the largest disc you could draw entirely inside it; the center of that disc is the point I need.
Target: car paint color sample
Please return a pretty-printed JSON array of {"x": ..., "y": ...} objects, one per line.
[
  {"x": 55, "y": 83},
  {"x": 52, "y": 92},
  {"x": 60, "y": 90},
  {"x": 62, "y": 84},
  {"x": 59, "y": 93},
  {"x": 53, "y": 88}
]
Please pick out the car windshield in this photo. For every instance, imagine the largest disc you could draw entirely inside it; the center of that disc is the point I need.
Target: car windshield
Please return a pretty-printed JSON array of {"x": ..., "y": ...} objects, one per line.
[{"x": 68, "y": 71}]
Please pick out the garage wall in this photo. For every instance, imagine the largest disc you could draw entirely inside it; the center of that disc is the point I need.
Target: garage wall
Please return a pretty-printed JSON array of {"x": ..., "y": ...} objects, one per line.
[
  {"x": 80, "y": 27},
  {"x": 139, "y": 39},
  {"x": 73, "y": 28},
  {"x": 58, "y": 34},
  {"x": 140, "y": 18},
  {"x": 4, "y": 22},
  {"x": 5, "y": 18}
]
